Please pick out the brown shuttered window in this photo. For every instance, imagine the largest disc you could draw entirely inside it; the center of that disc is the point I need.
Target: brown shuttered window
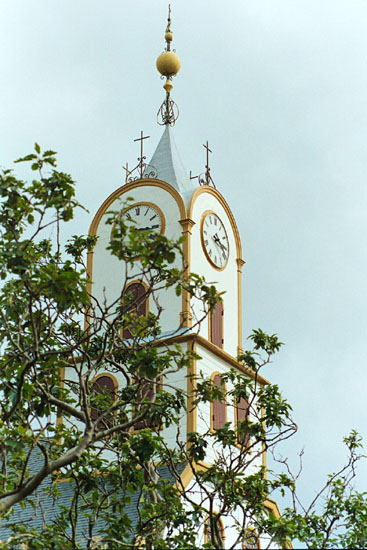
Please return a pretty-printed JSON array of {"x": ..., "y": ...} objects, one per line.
[
  {"x": 218, "y": 407},
  {"x": 146, "y": 392},
  {"x": 243, "y": 413},
  {"x": 216, "y": 325},
  {"x": 104, "y": 385},
  {"x": 139, "y": 303}
]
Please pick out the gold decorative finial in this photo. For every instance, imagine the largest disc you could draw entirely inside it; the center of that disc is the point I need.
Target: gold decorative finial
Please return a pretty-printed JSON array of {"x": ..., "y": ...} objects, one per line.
[
  {"x": 169, "y": 35},
  {"x": 168, "y": 64}
]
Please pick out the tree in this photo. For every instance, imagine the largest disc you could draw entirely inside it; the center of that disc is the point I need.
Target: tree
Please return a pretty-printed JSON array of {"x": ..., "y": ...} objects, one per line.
[{"x": 93, "y": 454}]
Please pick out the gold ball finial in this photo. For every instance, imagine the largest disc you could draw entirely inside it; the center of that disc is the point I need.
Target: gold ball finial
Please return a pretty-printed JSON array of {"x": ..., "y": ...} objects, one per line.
[{"x": 168, "y": 64}]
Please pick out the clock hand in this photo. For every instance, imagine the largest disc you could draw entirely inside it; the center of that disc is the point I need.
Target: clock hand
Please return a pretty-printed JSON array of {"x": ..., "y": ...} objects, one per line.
[
  {"x": 145, "y": 228},
  {"x": 217, "y": 241}
]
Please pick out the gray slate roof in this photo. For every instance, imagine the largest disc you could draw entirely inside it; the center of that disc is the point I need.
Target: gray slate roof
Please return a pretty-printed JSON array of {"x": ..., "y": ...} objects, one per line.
[{"x": 166, "y": 160}]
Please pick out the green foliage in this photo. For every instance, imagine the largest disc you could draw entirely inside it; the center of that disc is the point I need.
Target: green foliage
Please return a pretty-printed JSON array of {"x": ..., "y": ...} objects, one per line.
[{"x": 98, "y": 459}]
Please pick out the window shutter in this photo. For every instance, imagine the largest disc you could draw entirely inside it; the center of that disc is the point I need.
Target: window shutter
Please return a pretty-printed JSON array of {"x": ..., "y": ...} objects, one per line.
[
  {"x": 216, "y": 325},
  {"x": 139, "y": 306},
  {"x": 103, "y": 385},
  {"x": 243, "y": 413},
  {"x": 146, "y": 392},
  {"x": 219, "y": 407}
]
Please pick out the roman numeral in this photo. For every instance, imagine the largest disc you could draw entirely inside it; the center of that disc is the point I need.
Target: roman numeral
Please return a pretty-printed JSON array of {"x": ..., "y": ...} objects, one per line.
[
  {"x": 137, "y": 210},
  {"x": 152, "y": 218}
]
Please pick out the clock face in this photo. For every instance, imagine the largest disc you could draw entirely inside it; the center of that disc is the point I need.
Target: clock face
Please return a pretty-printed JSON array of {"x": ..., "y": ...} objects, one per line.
[
  {"x": 146, "y": 216},
  {"x": 214, "y": 240}
]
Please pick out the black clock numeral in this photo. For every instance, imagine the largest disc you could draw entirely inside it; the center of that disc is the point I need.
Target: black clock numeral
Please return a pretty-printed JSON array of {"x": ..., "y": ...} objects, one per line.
[
  {"x": 224, "y": 256},
  {"x": 210, "y": 252},
  {"x": 210, "y": 218},
  {"x": 215, "y": 221},
  {"x": 137, "y": 210},
  {"x": 215, "y": 259},
  {"x": 152, "y": 218},
  {"x": 147, "y": 210},
  {"x": 206, "y": 242},
  {"x": 128, "y": 215}
]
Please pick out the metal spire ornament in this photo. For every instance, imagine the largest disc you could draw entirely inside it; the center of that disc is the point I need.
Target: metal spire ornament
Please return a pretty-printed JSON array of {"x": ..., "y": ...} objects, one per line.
[{"x": 168, "y": 64}]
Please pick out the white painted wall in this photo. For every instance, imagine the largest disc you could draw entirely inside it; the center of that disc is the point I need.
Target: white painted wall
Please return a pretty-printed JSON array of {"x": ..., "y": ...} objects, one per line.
[
  {"x": 208, "y": 364},
  {"x": 229, "y": 522},
  {"x": 109, "y": 274},
  {"x": 225, "y": 280}
]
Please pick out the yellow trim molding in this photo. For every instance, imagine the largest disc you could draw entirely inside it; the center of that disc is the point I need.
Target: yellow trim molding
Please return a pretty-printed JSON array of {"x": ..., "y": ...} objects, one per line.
[
  {"x": 124, "y": 189},
  {"x": 152, "y": 205},
  {"x": 221, "y": 200},
  {"x": 145, "y": 182},
  {"x": 240, "y": 264},
  {"x": 229, "y": 359},
  {"x": 186, "y": 315},
  {"x": 191, "y": 417}
]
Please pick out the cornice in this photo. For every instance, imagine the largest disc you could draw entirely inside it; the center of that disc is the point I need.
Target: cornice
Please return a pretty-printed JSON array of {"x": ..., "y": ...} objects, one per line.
[{"x": 220, "y": 353}]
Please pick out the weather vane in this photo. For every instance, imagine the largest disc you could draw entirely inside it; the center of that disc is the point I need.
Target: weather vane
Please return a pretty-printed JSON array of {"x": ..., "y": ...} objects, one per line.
[
  {"x": 168, "y": 64},
  {"x": 205, "y": 178}
]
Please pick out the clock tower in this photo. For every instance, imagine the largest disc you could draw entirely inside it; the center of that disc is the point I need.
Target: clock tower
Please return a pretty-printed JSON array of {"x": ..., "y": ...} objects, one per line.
[{"x": 161, "y": 196}]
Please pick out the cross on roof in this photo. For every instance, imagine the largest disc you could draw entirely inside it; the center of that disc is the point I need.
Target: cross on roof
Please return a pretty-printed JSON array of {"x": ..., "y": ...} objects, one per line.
[
  {"x": 208, "y": 178},
  {"x": 206, "y": 146},
  {"x": 141, "y": 143},
  {"x": 205, "y": 179}
]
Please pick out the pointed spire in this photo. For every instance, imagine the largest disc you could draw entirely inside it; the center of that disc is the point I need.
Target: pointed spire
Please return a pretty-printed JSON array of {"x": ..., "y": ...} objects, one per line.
[
  {"x": 166, "y": 160},
  {"x": 168, "y": 64}
]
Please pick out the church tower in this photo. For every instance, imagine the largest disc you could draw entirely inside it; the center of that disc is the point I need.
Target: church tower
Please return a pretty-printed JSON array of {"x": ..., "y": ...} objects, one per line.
[{"x": 161, "y": 196}]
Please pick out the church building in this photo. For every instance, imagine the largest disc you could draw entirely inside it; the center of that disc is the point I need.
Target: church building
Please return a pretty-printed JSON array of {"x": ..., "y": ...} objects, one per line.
[
  {"x": 103, "y": 392},
  {"x": 162, "y": 196}
]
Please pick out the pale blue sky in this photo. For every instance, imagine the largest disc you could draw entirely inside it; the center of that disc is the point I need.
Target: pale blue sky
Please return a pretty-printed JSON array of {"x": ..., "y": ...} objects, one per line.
[{"x": 279, "y": 89}]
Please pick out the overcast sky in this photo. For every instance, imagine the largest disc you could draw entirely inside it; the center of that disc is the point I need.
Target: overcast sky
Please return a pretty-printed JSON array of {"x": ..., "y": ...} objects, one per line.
[{"x": 279, "y": 89}]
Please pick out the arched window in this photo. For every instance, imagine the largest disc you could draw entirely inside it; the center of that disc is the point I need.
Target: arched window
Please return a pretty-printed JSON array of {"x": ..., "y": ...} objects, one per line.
[
  {"x": 145, "y": 393},
  {"x": 251, "y": 540},
  {"x": 218, "y": 407},
  {"x": 242, "y": 416},
  {"x": 104, "y": 394},
  {"x": 208, "y": 532},
  {"x": 216, "y": 325},
  {"x": 136, "y": 301}
]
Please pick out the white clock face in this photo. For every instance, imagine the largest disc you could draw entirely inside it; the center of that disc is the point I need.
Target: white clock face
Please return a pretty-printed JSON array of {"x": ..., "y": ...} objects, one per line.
[
  {"x": 215, "y": 240},
  {"x": 146, "y": 216}
]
